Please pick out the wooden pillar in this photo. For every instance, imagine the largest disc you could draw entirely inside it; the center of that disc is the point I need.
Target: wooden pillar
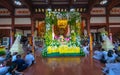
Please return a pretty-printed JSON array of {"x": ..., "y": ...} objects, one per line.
[
  {"x": 82, "y": 26},
  {"x": 89, "y": 33},
  {"x": 107, "y": 21},
  {"x": 12, "y": 31},
  {"x": 91, "y": 49},
  {"x": 32, "y": 33},
  {"x": 88, "y": 25},
  {"x": 87, "y": 18},
  {"x": 90, "y": 40}
]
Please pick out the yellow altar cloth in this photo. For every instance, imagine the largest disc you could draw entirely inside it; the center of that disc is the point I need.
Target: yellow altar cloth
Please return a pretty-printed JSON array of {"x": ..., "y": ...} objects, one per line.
[{"x": 63, "y": 49}]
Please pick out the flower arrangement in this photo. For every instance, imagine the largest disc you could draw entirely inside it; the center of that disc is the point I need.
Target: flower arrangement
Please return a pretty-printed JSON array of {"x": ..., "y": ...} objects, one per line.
[
  {"x": 66, "y": 29},
  {"x": 18, "y": 33}
]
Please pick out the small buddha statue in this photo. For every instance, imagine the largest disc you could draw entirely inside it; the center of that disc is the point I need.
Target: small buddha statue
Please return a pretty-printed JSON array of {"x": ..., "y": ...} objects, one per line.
[{"x": 61, "y": 38}]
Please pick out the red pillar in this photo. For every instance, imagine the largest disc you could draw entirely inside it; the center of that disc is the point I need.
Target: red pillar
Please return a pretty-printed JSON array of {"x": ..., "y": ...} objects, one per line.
[
  {"x": 32, "y": 33},
  {"x": 88, "y": 25},
  {"x": 107, "y": 21},
  {"x": 12, "y": 31}
]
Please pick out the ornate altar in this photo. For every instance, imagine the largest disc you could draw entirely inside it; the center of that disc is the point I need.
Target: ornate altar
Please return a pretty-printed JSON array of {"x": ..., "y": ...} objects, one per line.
[{"x": 62, "y": 37}]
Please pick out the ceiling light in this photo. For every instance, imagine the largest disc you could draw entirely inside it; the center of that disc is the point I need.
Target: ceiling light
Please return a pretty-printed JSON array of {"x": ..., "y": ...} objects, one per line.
[
  {"x": 17, "y": 2},
  {"x": 103, "y": 2},
  {"x": 72, "y": 9},
  {"x": 49, "y": 9}
]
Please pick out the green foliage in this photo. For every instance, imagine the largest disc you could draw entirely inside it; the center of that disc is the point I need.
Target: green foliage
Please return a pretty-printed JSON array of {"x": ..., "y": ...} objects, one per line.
[
  {"x": 18, "y": 33},
  {"x": 44, "y": 52},
  {"x": 48, "y": 38},
  {"x": 2, "y": 53},
  {"x": 73, "y": 43},
  {"x": 73, "y": 17},
  {"x": 73, "y": 36},
  {"x": 51, "y": 19},
  {"x": 55, "y": 43},
  {"x": 48, "y": 20},
  {"x": 54, "y": 20}
]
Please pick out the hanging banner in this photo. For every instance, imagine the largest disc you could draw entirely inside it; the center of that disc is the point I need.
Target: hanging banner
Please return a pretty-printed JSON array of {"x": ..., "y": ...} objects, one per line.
[
  {"x": 115, "y": 11},
  {"x": 22, "y": 11},
  {"x": 4, "y": 12},
  {"x": 98, "y": 11}
]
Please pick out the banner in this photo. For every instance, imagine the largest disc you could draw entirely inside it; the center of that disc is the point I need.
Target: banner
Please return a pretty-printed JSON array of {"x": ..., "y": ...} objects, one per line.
[{"x": 22, "y": 11}]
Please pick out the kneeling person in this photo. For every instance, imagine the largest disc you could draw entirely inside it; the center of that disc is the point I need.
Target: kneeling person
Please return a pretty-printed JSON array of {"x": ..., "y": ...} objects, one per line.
[{"x": 29, "y": 58}]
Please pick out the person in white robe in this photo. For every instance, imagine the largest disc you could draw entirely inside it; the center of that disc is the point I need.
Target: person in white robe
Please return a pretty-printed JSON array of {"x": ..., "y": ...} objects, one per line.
[
  {"x": 17, "y": 46},
  {"x": 107, "y": 43}
]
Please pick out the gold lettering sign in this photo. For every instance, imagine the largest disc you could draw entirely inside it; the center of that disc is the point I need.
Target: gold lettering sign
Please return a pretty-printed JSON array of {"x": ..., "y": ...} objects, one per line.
[{"x": 62, "y": 23}]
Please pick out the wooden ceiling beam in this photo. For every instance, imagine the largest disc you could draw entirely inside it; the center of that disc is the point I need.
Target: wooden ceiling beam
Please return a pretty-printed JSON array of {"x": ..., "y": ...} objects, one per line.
[
  {"x": 70, "y": 5},
  {"x": 71, "y": 2},
  {"x": 91, "y": 4},
  {"x": 49, "y": 2},
  {"x": 112, "y": 4},
  {"x": 6, "y": 4},
  {"x": 28, "y": 4}
]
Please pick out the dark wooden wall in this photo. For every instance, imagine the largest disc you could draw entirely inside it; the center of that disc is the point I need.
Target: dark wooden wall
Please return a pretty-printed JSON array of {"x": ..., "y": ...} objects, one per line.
[
  {"x": 4, "y": 33},
  {"x": 115, "y": 32}
]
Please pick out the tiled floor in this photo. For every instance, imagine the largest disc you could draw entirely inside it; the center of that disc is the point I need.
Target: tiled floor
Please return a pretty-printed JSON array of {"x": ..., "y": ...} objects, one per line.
[{"x": 64, "y": 66}]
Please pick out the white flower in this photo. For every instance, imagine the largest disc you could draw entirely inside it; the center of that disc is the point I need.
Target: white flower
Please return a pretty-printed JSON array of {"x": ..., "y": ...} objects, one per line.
[{"x": 72, "y": 31}]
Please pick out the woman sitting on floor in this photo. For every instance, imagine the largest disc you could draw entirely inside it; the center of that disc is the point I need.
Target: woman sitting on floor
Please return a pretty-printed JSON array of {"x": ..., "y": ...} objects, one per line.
[
  {"x": 112, "y": 68},
  {"x": 21, "y": 65},
  {"x": 29, "y": 58},
  {"x": 86, "y": 49},
  {"x": 14, "y": 56},
  {"x": 110, "y": 58},
  {"x": 4, "y": 67},
  {"x": 98, "y": 54}
]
